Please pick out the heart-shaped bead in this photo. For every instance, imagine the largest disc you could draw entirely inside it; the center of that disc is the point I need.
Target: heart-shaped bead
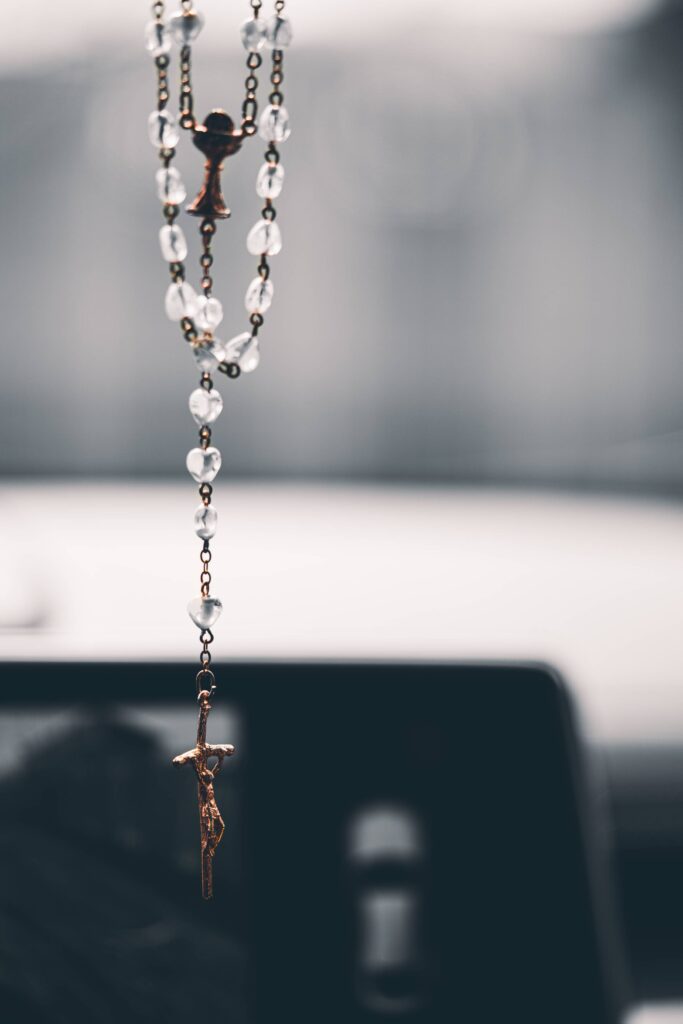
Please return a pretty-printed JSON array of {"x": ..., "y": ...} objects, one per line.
[
  {"x": 181, "y": 301},
  {"x": 264, "y": 239},
  {"x": 203, "y": 464},
  {"x": 259, "y": 296},
  {"x": 208, "y": 353},
  {"x": 204, "y": 611},
  {"x": 244, "y": 351},
  {"x": 205, "y": 406},
  {"x": 186, "y": 26},
  {"x": 205, "y": 520},
  {"x": 209, "y": 312}
]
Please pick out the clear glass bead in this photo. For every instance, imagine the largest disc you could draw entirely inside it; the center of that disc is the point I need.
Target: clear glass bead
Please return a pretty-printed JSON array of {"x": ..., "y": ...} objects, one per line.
[
  {"x": 203, "y": 464},
  {"x": 205, "y": 406},
  {"x": 208, "y": 353},
  {"x": 209, "y": 313},
  {"x": 243, "y": 350},
  {"x": 273, "y": 124},
  {"x": 163, "y": 129},
  {"x": 186, "y": 26},
  {"x": 170, "y": 187},
  {"x": 259, "y": 296},
  {"x": 264, "y": 239},
  {"x": 157, "y": 38},
  {"x": 269, "y": 181},
  {"x": 181, "y": 301},
  {"x": 205, "y": 521},
  {"x": 173, "y": 243},
  {"x": 204, "y": 611},
  {"x": 253, "y": 36},
  {"x": 278, "y": 32}
]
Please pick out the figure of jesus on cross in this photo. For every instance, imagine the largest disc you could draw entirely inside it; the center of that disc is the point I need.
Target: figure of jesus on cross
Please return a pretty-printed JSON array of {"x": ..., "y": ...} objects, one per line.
[{"x": 211, "y": 824}]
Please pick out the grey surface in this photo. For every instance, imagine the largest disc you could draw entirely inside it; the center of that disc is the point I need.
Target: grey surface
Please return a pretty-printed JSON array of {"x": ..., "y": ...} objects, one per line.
[{"x": 483, "y": 237}]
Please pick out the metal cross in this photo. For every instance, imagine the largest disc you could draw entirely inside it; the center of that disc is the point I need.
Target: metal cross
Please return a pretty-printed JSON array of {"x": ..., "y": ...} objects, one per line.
[
  {"x": 216, "y": 139},
  {"x": 211, "y": 824}
]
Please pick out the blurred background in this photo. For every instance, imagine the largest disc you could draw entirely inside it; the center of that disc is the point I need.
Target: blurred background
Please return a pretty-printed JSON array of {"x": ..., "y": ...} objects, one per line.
[
  {"x": 465, "y": 437},
  {"x": 495, "y": 187}
]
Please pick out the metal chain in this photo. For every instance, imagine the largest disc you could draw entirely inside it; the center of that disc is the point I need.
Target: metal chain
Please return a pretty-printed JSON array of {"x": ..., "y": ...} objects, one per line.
[
  {"x": 250, "y": 104},
  {"x": 272, "y": 157},
  {"x": 170, "y": 210},
  {"x": 187, "y": 118},
  {"x": 208, "y": 230}
]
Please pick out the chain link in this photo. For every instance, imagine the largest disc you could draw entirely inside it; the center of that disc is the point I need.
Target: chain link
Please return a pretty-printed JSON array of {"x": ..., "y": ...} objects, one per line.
[
  {"x": 208, "y": 230},
  {"x": 187, "y": 118},
  {"x": 170, "y": 210},
  {"x": 250, "y": 104},
  {"x": 272, "y": 157},
  {"x": 277, "y": 76}
]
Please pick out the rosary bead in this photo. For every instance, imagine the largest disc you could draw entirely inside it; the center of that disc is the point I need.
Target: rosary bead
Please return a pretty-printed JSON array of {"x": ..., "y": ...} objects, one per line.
[
  {"x": 204, "y": 611},
  {"x": 269, "y": 181},
  {"x": 253, "y": 34},
  {"x": 203, "y": 464},
  {"x": 181, "y": 301},
  {"x": 259, "y": 296},
  {"x": 264, "y": 239},
  {"x": 170, "y": 187},
  {"x": 273, "y": 125},
  {"x": 172, "y": 242},
  {"x": 244, "y": 350},
  {"x": 157, "y": 38},
  {"x": 163, "y": 129},
  {"x": 186, "y": 26},
  {"x": 209, "y": 312},
  {"x": 208, "y": 353},
  {"x": 205, "y": 406},
  {"x": 278, "y": 32},
  {"x": 205, "y": 521}
]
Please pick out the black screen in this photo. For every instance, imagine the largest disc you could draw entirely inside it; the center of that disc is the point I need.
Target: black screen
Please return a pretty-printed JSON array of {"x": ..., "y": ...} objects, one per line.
[{"x": 403, "y": 843}]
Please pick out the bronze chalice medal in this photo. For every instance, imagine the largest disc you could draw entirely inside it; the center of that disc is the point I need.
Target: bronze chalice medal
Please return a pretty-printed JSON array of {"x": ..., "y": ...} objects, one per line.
[{"x": 199, "y": 314}]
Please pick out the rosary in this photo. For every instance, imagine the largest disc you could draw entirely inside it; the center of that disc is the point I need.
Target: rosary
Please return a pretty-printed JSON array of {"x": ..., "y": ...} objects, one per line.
[{"x": 199, "y": 314}]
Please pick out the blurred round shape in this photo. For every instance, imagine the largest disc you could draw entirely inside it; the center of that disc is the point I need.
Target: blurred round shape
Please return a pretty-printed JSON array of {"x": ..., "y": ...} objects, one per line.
[
  {"x": 269, "y": 181},
  {"x": 385, "y": 832},
  {"x": 205, "y": 521},
  {"x": 170, "y": 187},
  {"x": 181, "y": 301},
  {"x": 186, "y": 26},
  {"x": 173, "y": 243},
  {"x": 273, "y": 125},
  {"x": 244, "y": 350},
  {"x": 163, "y": 129},
  {"x": 203, "y": 464},
  {"x": 259, "y": 296},
  {"x": 253, "y": 34},
  {"x": 205, "y": 406},
  {"x": 278, "y": 32},
  {"x": 157, "y": 38},
  {"x": 264, "y": 239}
]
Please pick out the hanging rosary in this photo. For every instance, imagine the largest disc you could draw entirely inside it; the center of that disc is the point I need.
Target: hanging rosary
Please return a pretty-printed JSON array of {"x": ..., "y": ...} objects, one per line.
[{"x": 199, "y": 314}]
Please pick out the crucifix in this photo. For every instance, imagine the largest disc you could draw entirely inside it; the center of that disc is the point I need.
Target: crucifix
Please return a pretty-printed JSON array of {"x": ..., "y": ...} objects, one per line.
[
  {"x": 216, "y": 139},
  {"x": 211, "y": 824}
]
